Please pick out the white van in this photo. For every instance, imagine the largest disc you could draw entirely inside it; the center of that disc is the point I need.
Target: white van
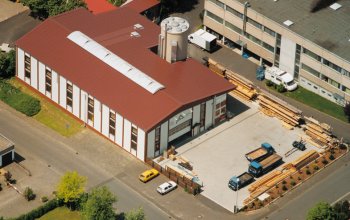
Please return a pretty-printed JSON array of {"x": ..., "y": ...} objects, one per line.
[
  {"x": 203, "y": 39},
  {"x": 279, "y": 76}
]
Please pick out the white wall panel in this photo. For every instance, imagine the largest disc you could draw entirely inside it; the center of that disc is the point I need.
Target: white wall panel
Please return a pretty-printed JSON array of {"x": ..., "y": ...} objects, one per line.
[
  {"x": 63, "y": 91},
  {"x": 97, "y": 115},
  {"x": 54, "y": 86},
  {"x": 150, "y": 144},
  {"x": 287, "y": 56},
  {"x": 20, "y": 61},
  {"x": 180, "y": 118},
  {"x": 76, "y": 99},
  {"x": 41, "y": 78},
  {"x": 105, "y": 120},
  {"x": 178, "y": 134},
  {"x": 34, "y": 73},
  {"x": 119, "y": 126},
  {"x": 83, "y": 105},
  {"x": 164, "y": 137},
  {"x": 196, "y": 114},
  {"x": 141, "y": 144},
  {"x": 127, "y": 135},
  {"x": 209, "y": 113}
]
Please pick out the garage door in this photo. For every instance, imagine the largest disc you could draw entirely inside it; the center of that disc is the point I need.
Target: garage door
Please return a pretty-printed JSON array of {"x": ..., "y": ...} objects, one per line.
[{"x": 7, "y": 158}]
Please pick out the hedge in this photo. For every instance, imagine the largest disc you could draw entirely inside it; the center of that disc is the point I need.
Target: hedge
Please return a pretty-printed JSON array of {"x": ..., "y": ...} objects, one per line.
[
  {"x": 18, "y": 100},
  {"x": 42, "y": 210}
]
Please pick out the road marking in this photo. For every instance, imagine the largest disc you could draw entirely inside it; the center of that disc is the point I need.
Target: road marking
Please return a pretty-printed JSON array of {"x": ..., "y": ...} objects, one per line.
[{"x": 340, "y": 198}]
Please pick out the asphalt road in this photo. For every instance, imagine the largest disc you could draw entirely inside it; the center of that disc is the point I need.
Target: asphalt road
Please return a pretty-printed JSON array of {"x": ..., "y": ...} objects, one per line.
[{"x": 32, "y": 141}]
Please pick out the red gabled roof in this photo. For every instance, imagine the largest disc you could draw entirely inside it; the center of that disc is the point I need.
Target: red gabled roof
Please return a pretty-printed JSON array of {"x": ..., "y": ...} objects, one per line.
[
  {"x": 99, "y": 6},
  {"x": 141, "y": 5},
  {"x": 185, "y": 82}
]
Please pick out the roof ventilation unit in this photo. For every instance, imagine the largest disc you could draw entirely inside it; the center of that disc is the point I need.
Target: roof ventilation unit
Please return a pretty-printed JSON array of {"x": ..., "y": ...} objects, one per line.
[
  {"x": 135, "y": 34},
  {"x": 335, "y": 6},
  {"x": 288, "y": 23},
  {"x": 138, "y": 27}
]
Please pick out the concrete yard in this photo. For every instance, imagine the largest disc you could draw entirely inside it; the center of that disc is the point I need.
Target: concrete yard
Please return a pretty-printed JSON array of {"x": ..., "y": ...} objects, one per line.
[{"x": 218, "y": 154}]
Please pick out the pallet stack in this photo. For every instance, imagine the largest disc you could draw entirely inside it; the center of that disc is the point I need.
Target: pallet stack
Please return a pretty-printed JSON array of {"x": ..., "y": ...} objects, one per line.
[
  {"x": 320, "y": 133},
  {"x": 216, "y": 67},
  {"x": 244, "y": 89},
  {"x": 273, "y": 106}
]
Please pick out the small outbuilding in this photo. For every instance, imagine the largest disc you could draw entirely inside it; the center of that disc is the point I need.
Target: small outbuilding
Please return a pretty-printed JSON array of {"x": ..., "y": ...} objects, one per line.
[{"x": 7, "y": 151}]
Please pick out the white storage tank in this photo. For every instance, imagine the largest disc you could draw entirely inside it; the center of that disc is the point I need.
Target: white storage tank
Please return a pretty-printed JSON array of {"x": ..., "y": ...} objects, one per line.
[{"x": 172, "y": 44}]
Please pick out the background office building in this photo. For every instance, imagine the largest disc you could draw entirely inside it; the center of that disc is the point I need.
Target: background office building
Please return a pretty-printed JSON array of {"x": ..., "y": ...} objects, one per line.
[{"x": 306, "y": 38}]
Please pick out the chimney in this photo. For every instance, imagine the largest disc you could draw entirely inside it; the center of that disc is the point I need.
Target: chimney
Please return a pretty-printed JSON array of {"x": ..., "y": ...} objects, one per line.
[{"x": 172, "y": 42}]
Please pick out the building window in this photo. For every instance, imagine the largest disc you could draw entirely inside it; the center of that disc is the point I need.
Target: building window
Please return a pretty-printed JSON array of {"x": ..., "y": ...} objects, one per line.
[
  {"x": 220, "y": 111},
  {"x": 111, "y": 123},
  {"x": 202, "y": 114},
  {"x": 214, "y": 17},
  {"x": 157, "y": 141},
  {"x": 91, "y": 108},
  {"x": 310, "y": 70},
  {"x": 27, "y": 66},
  {"x": 312, "y": 54},
  {"x": 333, "y": 83},
  {"x": 48, "y": 80},
  {"x": 233, "y": 27},
  {"x": 332, "y": 65},
  {"x": 181, "y": 126},
  {"x": 254, "y": 39},
  {"x": 297, "y": 61},
  {"x": 69, "y": 95},
  {"x": 234, "y": 12},
  {"x": 268, "y": 47},
  {"x": 345, "y": 89},
  {"x": 218, "y": 3},
  {"x": 269, "y": 31},
  {"x": 133, "y": 138},
  {"x": 346, "y": 73},
  {"x": 254, "y": 23}
]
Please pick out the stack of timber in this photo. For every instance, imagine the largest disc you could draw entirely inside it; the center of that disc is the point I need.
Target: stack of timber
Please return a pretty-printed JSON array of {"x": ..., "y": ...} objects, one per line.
[
  {"x": 272, "y": 106},
  {"x": 216, "y": 67},
  {"x": 257, "y": 184},
  {"x": 244, "y": 88},
  {"x": 305, "y": 159},
  {"x": 320, "y": 133}
]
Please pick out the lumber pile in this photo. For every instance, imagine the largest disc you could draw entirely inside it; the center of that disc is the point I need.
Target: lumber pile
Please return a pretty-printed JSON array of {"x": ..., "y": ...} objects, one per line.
[
  {"x": 272, "y": 106},
  {"x": 321, "y": 133},
  {"x": 305, "y": 159},
  {"x": 216, "y": 67},
  {"x": 262, "y": 181},
  {"x": 244, "y": 89}
]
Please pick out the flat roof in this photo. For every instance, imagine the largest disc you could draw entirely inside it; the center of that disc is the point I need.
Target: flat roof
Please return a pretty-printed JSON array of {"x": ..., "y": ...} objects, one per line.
[
  {"x": 328, "y": 28},
  {"x": 4, "y": 143},
  {"x": 185, "y": 82}
]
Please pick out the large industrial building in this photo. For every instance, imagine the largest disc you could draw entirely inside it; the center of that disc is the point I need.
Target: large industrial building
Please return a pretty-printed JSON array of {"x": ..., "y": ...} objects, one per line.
[
  {"x": 309, "y": 39},
  {"x": 122, "y": 76}
]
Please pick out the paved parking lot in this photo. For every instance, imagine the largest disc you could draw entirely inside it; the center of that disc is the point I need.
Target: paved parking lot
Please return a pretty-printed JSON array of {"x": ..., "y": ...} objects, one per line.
[
  {"x": 9, "y": 9},
  {"x": 218, "y": 155}
]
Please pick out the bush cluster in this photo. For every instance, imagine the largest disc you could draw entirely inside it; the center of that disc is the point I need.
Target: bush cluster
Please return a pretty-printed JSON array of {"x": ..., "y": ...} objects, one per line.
[
  {"x": 20, "y": 101},
  {"x": 42, "y": 210}
]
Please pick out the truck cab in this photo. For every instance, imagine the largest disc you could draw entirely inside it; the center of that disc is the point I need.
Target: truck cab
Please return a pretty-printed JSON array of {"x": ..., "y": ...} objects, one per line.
[
  {"x": 259, "y": 168},
  {"x": 238, "y": 182},
  {"x": 279, "y": 76}
]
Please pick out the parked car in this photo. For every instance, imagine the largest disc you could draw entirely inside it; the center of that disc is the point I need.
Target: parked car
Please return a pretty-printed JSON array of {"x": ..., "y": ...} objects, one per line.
[
  {"x": 166, "y": 187},
  {"x": 148, "y": 175}
]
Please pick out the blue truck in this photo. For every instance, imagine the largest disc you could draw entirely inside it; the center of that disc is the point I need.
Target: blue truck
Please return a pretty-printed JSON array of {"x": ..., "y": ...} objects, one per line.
[
  {"x": 238, "y": 182},
  {"x": 260, "y": 153},
  {"x": 257, "y": 168}
]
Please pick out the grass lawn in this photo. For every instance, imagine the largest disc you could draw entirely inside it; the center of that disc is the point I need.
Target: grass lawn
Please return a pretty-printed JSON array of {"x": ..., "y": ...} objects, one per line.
[
  {"x": 50, "y": 115},
  {"x": 318, "y": 102},
  {"x": 62, "y": 213}
]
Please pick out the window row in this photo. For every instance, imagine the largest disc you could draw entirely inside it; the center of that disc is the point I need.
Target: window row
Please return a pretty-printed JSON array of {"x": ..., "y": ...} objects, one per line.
[
  {"x": 218, "y": 3},
  {"x": 214, "y": 17}
]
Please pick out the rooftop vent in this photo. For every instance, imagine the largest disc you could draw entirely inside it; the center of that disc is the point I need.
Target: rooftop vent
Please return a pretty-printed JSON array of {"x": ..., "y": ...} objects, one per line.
[
  {"x": 288, "y": 23},
  {"x": 335, "y": 6},
  {"x": 138, "y": 27},
  {"x": 135, "y": 34}
]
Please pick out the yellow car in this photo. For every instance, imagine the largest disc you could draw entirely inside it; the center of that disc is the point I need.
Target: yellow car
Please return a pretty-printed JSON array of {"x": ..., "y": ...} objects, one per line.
[{"x": 148, "y": 175}]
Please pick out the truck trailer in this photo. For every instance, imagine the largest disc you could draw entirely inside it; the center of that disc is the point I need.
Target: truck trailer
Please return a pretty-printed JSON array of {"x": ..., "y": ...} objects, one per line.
[
  {"x": 238, "y": 182},
  {"x": 260, "y": 168},
  {"x": 203, "y": 39},
  {"x": 260, "y": 153}
]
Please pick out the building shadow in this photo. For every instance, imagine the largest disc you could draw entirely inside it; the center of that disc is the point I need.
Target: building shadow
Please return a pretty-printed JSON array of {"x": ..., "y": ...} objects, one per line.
[
  {"x": 18, "y": 158},
  {"x": 235, "y": 106}
]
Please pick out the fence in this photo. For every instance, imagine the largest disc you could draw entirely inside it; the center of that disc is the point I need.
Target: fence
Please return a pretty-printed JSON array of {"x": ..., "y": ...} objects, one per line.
[{"x": 188, "y": 184}]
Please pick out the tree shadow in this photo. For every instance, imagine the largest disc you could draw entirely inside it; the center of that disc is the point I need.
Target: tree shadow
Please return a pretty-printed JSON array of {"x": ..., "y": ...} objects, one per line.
[{"x": 120, "y": 216}]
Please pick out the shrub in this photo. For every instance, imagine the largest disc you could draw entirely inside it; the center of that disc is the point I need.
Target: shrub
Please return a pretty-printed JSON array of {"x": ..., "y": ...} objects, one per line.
[
  {"x": 331, "y": 157},
  {"x": 8, "y": 176},
  {"x": 40, "y": 211},
  {"x": 308, "y": 172},
  {"x": 276, "y": 186},
  {"x": 324, "y": 161},
  {"x": 269, "y": 83},
  {"x": 342, "y": 146},
  {"x": 284, "y": 188},
  {"x": 281, "y": 89},
  {"x": 7, "y": 64},
  {"x": 292, "y": 183},
  {"x": 29, "y": 194},
  {"x": 44, "y": 199},
  {"x": 299, "y": 178},
  {"x": 316, "y": 167},
  {"x": 18, "y": 100},
  {"x": 284, "y": 182}
]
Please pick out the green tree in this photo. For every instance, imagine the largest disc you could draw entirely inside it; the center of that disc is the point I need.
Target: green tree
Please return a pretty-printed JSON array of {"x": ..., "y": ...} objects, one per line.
[
  {"x": 99, "y": 205},
  {"x": 7, "y": 64},
  {"x": 347, "y": 110},
  {"x": 321, "y": 211},
  {"x": 29, "y": 194},
  {"x": 342, "y": 210},
  {"x": 71, "y": 187},
  {"x": 117, "y": 2},
  {"x": 136, "y": 214}
]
